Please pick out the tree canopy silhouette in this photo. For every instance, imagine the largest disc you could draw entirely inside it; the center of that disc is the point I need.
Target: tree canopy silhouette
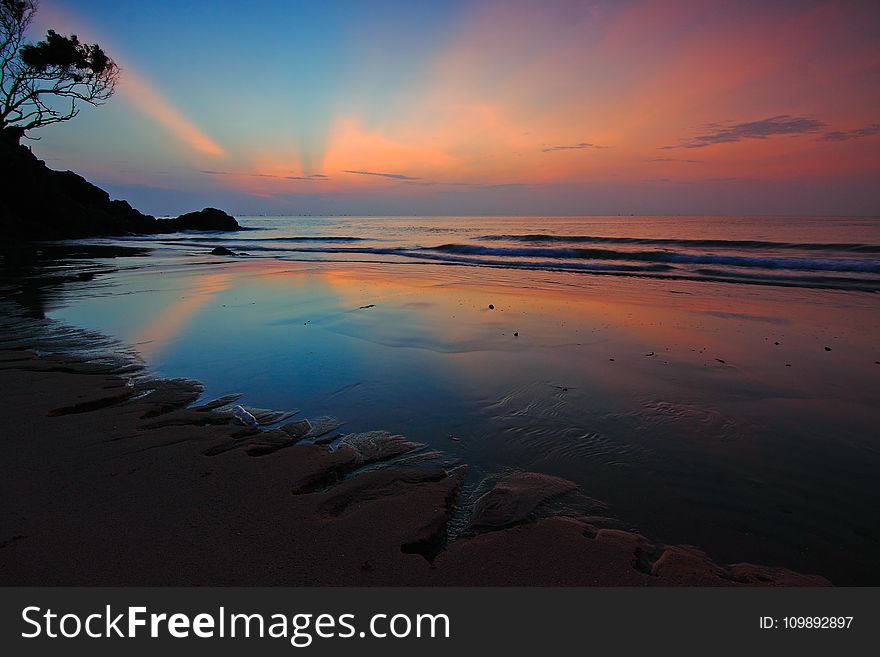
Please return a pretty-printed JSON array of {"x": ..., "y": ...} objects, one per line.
[{"x": 42, "y": 83}]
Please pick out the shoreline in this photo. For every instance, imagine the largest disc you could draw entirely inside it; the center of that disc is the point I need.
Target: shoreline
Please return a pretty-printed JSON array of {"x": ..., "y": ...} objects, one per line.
[{"x": 120, "y": 481}]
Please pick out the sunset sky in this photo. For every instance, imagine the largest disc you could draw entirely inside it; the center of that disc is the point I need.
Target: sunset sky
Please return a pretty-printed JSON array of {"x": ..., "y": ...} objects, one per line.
[{"x": 660, "y": 107}]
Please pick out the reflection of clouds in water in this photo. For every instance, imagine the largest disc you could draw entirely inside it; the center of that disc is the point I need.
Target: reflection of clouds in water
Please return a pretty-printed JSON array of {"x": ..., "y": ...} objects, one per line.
[{"x": 174, "y": 319}]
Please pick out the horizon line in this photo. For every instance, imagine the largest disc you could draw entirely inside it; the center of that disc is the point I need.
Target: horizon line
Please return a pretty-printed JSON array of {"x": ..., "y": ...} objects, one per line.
[{"x": 552, "y": 216}]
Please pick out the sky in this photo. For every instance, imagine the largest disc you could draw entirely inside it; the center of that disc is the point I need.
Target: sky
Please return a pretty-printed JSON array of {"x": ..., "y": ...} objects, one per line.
[{"x": 457, "y": 108}]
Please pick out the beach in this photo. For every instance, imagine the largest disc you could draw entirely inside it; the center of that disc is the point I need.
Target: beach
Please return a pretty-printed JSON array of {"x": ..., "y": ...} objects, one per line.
[
  {"x": 466, "y": 422},
  {"x": 110, "y": 488}
]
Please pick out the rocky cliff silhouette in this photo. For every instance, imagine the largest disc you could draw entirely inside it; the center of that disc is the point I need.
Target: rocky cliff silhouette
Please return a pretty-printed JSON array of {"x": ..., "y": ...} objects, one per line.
[{"x": 39, "y": 203}]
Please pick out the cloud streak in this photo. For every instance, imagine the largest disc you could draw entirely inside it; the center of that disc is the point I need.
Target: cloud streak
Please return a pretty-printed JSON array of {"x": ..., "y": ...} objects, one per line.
[
  {"x": 392, "y": 176},
  {"x": 858, "y": 133},
  {"x": 774, "y": 126},
  {"x": 571, "y": 147},
  {"x": 673, "y": 159}
]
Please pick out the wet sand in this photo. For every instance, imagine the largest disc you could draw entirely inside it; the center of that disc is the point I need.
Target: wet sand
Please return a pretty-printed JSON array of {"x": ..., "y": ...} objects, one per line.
[{"x": 111, "y": 477}]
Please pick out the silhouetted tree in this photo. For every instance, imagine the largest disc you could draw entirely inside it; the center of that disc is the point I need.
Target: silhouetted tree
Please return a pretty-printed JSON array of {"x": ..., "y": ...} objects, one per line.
[{"x": 43, "y": 82}]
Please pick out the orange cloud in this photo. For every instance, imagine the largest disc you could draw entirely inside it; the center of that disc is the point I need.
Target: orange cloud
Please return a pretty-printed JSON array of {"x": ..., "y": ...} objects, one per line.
[{"x": 352, "y": 147}]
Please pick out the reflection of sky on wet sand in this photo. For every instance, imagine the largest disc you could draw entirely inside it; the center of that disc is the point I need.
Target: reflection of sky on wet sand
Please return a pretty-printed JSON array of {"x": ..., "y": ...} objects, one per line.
[
  {"x": 171, "y": 322},
  {"x": 768, "y": 443}
]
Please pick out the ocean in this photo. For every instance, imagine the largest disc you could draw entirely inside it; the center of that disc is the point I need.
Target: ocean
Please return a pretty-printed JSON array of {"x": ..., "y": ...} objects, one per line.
[
  {"x": 810, "y": 252},
  {"x": 704, "y": 380}
]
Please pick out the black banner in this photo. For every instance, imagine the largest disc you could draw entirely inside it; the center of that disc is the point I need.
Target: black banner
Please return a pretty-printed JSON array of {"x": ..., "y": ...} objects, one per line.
[{"x": 328, "y": 621}]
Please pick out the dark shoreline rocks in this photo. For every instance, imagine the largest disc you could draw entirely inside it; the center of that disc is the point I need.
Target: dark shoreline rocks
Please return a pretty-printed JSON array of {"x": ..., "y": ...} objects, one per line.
[
  {"x": 39, "y": 203},
  {"x": 207, "y": 219}
]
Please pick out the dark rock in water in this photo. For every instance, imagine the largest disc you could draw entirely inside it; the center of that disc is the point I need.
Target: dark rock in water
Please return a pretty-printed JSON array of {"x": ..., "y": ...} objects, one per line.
[
  {"x": 516, "y": 334},
  {"x": 222, "y": 250},
  {"x": 39, "y": 203},
  {"x": 207, "y": 219},
  {"x": 721, "y": 361},
  {"x": 515, "y": 497},
  {"x": 827, "y": 348},
  {"x": 491, "y": 307}
]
